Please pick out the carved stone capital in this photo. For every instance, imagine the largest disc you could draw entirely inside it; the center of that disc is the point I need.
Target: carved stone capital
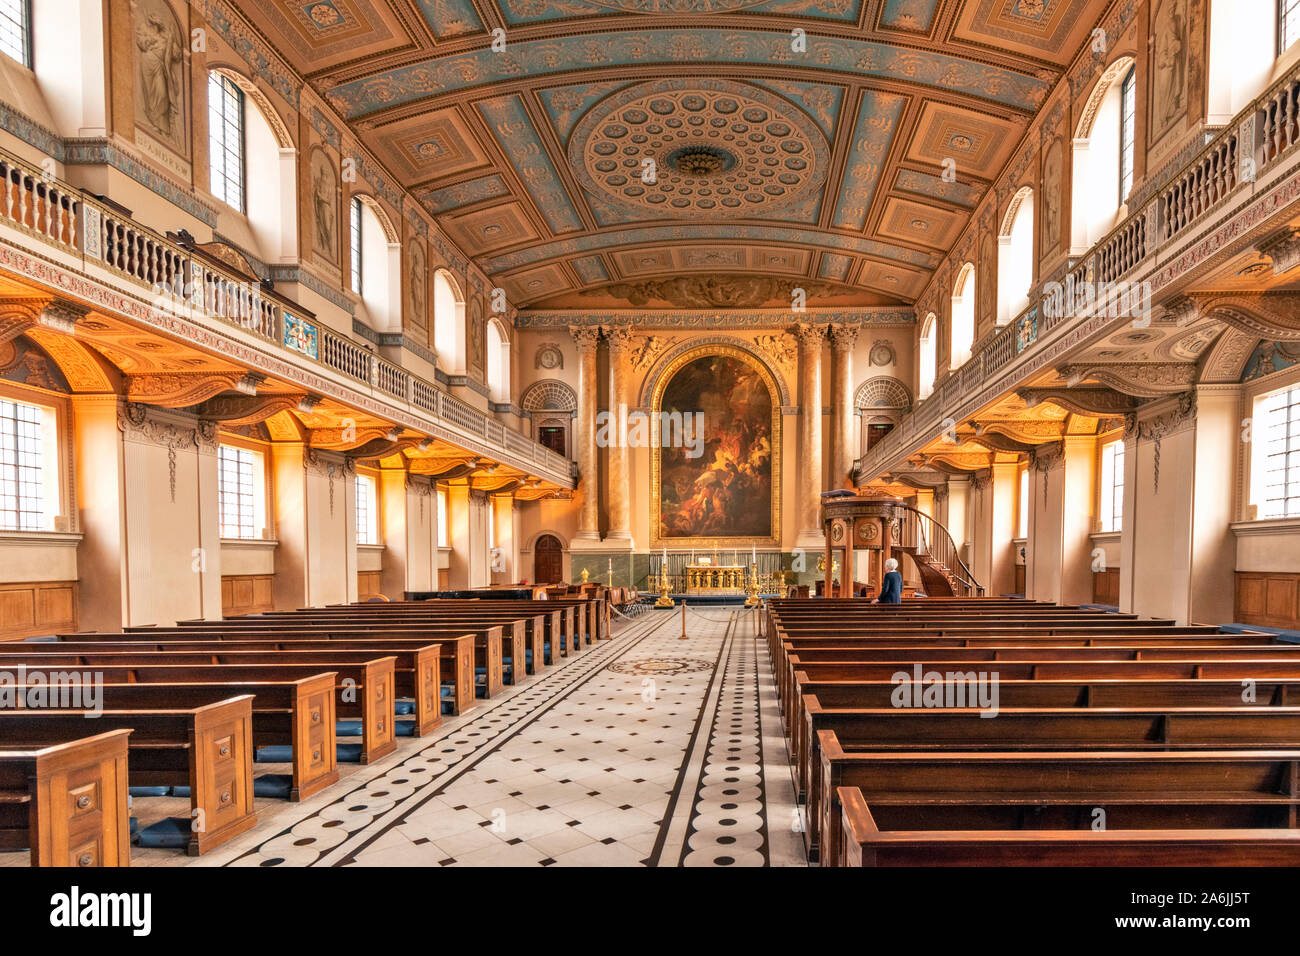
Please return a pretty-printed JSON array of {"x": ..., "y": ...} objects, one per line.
[
  {"x": 844, "y": 337},
  {"x": 621, "y": 341},
  {"x": 585, "y": 338},
  {"x": 809, "y": 336},
  {"x": 1047, "y": 456}
]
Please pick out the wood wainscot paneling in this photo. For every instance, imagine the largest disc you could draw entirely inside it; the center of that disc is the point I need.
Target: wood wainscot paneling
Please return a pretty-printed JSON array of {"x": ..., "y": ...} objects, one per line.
[
  {"x": 368, "y": 584},
  {"x": 1020, "y": 579},
  {"x": 39, "y": 607},
  {"x": 246, "y": 593},
  {"x": 1269, "y": 599},
  {"x": 444, "y": 579},
  {"x": 1105, "y": 587}
]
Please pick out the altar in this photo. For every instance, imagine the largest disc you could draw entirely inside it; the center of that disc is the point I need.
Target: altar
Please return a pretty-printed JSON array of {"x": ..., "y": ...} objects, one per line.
[{"x": 715, "y": 578}]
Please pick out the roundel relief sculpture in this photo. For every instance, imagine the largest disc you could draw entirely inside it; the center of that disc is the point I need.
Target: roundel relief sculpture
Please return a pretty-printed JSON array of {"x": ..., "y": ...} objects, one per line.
[
  {"x": 717, "y": 147},
  {"x": 720, "y": 481}
]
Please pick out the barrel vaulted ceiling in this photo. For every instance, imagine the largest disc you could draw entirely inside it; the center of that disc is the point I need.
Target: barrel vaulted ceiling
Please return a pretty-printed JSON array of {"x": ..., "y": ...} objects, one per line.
[{"x": 819, "y": 167}]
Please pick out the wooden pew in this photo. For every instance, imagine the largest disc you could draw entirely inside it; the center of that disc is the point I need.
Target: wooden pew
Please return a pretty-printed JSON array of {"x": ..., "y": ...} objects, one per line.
[
  {"x": 1094, "y": 730},
  {"x": 294, "y": 713},
  {"x": 416, "y": 669},
  {"x": 463, "y": 646},
  {"x": 863, "y": 842},
  {"x": 458, "y": 648},
  {"x": 1060, "y": 790},
  {"x": 364, "y": 691},
  {"x": 207, "y": 748},
  {"x": 68, "y": 802}
]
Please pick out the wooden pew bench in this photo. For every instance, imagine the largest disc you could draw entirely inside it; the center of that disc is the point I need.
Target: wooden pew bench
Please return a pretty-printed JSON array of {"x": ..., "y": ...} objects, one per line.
[
  {"x": 1136, "y": 790},
  {"x": 416, "y": 669},
  {"x": 363, "y": 691},
  {"x": 208, "y": 749},
  {"x": 953, "y": 730},
  {"x": 864, "y": 842},
  {"x": 67, "y": 802},
  {"x": 293, "y": 714}
]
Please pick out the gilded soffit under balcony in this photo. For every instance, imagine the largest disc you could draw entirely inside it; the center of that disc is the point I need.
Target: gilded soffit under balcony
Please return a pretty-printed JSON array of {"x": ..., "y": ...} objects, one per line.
[{"x": 822, "y": 163}]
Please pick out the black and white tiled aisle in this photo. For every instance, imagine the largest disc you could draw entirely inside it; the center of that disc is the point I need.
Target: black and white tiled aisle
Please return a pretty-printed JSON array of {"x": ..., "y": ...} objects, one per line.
[{"x": 645, "y": 750}]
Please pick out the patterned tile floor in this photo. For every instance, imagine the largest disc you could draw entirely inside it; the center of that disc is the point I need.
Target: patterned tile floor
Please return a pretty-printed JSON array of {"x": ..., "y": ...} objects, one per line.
[{"x": 644, "y": 750}]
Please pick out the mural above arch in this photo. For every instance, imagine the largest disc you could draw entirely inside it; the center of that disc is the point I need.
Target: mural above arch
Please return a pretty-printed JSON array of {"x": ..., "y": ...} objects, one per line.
[{"x": 715, "y": 432}]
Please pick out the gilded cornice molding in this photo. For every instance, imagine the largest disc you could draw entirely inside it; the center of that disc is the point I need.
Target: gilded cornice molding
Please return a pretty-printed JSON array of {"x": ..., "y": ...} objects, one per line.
[{"x": 697, "y": 319}]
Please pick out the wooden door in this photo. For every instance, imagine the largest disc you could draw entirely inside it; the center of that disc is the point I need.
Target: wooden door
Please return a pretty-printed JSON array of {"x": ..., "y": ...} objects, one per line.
[{"x": 548, "y": 560}]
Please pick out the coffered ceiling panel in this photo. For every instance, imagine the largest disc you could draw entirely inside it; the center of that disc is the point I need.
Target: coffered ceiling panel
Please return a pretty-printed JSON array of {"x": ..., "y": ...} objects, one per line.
[{"x": 611, "y": 140}]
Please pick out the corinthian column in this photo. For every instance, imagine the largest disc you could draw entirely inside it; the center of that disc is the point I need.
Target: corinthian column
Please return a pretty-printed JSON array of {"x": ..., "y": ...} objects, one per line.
[
  {"x": 843, "y": 338},
  {"x": 810, "y": 432},
  {"x": 588, "y": 514},
  {"x": 620, "y": 512}
]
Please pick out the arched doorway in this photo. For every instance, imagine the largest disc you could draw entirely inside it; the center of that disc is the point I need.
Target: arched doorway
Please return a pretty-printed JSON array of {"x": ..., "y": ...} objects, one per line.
[{"x": 548, "y": 560}]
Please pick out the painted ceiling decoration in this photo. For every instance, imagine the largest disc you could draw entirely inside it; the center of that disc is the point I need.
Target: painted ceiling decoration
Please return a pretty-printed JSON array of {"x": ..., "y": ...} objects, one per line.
[{"x": 612, "y": 143}]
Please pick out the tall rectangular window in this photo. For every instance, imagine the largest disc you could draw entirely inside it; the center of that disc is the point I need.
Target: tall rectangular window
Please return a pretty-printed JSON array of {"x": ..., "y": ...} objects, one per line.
[
  {"x": 25, "y": 504},
  {"x": 367, "y": 513},
  {"x": 442, "y": 519},
  {"x": 1112, "y": 486},
  {"x": 15, "y": 30},
  {"x": 1127, "y": 112},
  {"x": 226, "y": 140},
  {"x": 355, "y": 219},
  {"x": 1022, "y": 518},
  {"x": 1288, "y": 23},
  {"x": 241, "y": 492},
  {"x": 1279, "y": 461}
]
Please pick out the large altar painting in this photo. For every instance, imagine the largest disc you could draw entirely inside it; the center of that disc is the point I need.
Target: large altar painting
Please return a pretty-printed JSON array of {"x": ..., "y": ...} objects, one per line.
[{"x": 722, "y": 487}]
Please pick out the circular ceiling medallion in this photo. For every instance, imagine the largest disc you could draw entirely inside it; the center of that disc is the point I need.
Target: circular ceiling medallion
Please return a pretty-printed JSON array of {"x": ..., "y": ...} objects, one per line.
[{"x": 679, "y": 147}]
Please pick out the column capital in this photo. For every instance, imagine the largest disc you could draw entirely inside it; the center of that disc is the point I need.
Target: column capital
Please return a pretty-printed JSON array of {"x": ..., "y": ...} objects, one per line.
[
  {"x": 844, "y": 337},
  {"x": 620, "y": 339},
  {"x": 810, "y": 336},
  {"x": 585, "y": 337}
]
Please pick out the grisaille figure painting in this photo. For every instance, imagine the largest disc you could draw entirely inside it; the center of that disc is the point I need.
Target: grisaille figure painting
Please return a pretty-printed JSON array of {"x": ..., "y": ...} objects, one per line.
[{"x": 725, "y": 492}]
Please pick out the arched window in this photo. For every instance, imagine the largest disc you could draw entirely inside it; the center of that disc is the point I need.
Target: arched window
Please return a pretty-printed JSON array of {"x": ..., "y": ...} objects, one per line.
[
  {"x": 1246, "y": 37},
  {"x": 1102, "y": 169},
  {"x": 245, "y": 133},
  {"x": 375, "y": 264},
  {"x": 963, "y": 317},
  {"x": 927, "y": 362},
  {"x": 1016, "y": 256},
  {"x": 498, "y": 362},
  {"x": 448, "y": 323}
]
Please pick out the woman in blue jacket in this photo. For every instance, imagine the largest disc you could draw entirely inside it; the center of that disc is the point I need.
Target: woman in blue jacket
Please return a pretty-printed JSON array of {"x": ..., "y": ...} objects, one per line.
[{"x": 891, "y": 589}]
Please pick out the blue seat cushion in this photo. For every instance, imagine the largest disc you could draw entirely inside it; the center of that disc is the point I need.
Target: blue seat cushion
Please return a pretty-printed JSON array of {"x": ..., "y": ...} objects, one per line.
[
  {"x": 347, "y": 728},
  {"x": 528, "y": 657},
  {"x": 181, "y": 792},
  {"x": 404, "y": 728},
  {"x": 446, "y": 689},
  {"x": 273, "y": 786},
  {"x": 403, "y": 707},
  {"x": 508, "y": 672},
  {"x": 171, "y": 833},
  {"x": 149, "y": 791},
  {"x": 348, "y": 753},
  {"x": 448, "y": 707},
  {"x": 274, "y": 753}
]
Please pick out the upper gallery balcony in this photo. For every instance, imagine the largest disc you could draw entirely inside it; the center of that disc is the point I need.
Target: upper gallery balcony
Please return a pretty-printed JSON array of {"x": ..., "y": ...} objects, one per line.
[
  {"x": 1208, "y": 244},
  {"x": 79, "y": 246}
]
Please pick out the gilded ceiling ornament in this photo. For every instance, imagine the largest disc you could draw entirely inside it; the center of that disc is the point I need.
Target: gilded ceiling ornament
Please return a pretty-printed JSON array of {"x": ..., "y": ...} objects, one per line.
[
  {"x": 679, "y": 146},
  {"x": 714, "y": 291}
]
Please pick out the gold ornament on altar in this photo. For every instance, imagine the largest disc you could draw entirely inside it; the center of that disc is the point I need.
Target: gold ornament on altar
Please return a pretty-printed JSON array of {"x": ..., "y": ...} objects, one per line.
[
  {"x": 821, "y": 565},
  {"x": 751, "y": 592},
  {"x": 665, "y": 596},
  {"x": 585, "y": 574}
]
